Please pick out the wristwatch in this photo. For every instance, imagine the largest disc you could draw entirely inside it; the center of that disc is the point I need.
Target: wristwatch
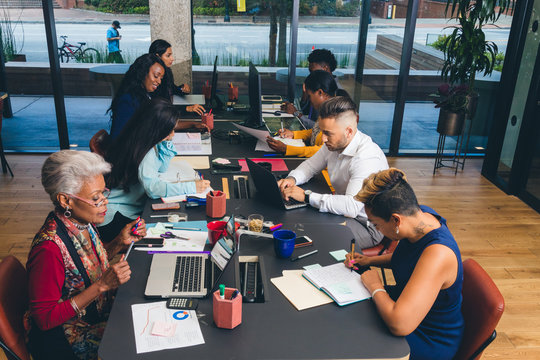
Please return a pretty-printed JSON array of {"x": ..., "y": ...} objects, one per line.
[
  {"x": 297, "y": 113},
  {"x": 306, "y": 195}
]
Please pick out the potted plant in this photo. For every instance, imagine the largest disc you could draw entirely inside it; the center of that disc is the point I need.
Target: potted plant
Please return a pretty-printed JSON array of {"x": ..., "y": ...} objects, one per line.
[
  {"x": 10, "y": 47},
  {"x": 466, "y": 50},
  {"x": 454, "y": 103}
]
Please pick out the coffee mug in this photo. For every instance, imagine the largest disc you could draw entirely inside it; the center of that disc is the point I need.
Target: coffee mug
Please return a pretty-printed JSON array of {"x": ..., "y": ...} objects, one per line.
[
  {"x": 284, "y": 243},
  {"x": 216, "y": 230}
]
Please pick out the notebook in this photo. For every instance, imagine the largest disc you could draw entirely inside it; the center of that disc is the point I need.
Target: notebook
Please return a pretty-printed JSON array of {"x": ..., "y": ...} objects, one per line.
[
  {"x": 266, "y": 184},
  {"x": 193, "y": 275},
  {"x": 342, "y": 285}
]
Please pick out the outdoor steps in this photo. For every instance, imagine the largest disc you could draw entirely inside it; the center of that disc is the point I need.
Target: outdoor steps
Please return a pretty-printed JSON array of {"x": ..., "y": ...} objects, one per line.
[
  {"x": 24, "y": 4},
  {"x": 423, "y": 57},
  {"x": 376, "y": 60}
]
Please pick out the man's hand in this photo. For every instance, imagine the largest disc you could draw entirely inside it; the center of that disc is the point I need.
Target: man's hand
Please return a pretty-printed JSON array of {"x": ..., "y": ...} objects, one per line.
[
  {"x": 294, "y": 192},
  {"x": 186, "y": 89},
  {"x": 276, "y": 145},
  {"x": 285, "y": 183},
  {"x": 196, "y": 109}
]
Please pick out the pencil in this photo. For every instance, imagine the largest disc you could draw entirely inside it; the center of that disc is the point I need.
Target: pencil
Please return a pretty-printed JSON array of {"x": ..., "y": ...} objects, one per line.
[{"x": 352, "y": 252}]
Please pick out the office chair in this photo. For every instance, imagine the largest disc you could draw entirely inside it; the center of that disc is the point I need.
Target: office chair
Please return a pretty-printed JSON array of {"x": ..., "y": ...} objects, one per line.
[
  {"x": 100, "y": 142},
  {"x": 13, "y": 305},
  {"x": 386, "y": 246},
  {"x": 482, "y": 308}
]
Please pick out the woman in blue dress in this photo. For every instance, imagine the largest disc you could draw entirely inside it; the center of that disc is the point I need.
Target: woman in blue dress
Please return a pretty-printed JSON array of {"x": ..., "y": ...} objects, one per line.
[{"x": 425, "y": 304}]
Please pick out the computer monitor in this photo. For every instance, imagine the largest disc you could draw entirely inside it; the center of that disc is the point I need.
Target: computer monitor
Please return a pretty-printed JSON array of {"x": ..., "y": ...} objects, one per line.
[
  {"x": 255, "y": 119},
  {"x": 213, "y": 94}
]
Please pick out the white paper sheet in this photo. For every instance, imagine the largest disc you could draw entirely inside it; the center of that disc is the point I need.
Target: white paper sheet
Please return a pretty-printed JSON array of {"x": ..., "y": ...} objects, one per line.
[
  {"x": 263, "y": 145},
  {"x": 179, "y": 170},
  {"x": 187, "y": 331},
  {"x": 259, "y": 134},
  {"x": 185, "y": 144},
  {"x": 196, "y": 242}
]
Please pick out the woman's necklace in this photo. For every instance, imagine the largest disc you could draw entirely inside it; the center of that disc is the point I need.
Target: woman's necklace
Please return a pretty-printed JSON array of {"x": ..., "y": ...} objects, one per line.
[{"x": 79, "y": 226}]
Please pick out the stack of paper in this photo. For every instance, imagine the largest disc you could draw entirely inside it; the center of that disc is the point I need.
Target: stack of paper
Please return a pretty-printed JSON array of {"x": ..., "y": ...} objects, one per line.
[
  {"x": 299, "y": 291},
  {"x": 192, "y": 144}
]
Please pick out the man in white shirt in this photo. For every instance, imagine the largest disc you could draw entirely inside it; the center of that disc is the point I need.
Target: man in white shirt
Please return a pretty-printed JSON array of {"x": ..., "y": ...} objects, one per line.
[{"x": 350, "y": 156}]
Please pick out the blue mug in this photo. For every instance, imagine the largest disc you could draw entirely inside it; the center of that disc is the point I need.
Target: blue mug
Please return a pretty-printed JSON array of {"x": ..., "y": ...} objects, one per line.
[{"x": 284, "y": 243}]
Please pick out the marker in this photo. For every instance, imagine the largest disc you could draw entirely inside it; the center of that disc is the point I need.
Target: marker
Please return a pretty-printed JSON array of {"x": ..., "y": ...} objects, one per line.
[
  {"x": 222, "y": 291},
  {"x": 235, "y": 294},
  {"x": 136, "y": 226},
  {"x": 304, "y": 255},
  {"x": 185, "y": 228},
  {"x": 129, "y": 250},
  {"x": 275, "y": 227},
  {"x": 271, "y": 155}
]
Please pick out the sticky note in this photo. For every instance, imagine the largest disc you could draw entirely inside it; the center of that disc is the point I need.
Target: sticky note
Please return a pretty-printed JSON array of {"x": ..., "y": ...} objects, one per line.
[
  {"x": 312, "y": 266},
  {"x": 339, "y": 255},
  {"x": 162, "y": 328}
]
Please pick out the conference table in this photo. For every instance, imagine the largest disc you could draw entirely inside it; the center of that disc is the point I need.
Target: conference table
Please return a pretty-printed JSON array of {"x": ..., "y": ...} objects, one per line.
[{"x": 273, "y": 329}]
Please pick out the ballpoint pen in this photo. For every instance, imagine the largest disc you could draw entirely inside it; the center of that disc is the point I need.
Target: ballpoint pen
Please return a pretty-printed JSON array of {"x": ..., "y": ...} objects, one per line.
[
  {"x": 352, "y": 253},
  {"x": 136, "y": 226},
  {"x": 129, "y": 250},
  {"x": 304, "y": 255},
  {"x": 281, "y": 120}
]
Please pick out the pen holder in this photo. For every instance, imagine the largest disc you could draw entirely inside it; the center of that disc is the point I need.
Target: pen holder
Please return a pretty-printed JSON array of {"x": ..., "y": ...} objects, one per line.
[
  {"x": 208, "y": 119},
  {"x": 216, "y": 205},
  {"x": 207, "y": 91},
  {"x": 233, "y": 93},
  {"x": 227, "y": 313}
]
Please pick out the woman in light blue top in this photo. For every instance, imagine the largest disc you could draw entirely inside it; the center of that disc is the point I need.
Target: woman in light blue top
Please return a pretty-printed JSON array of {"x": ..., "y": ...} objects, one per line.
[{"x": 141, "y": 152}]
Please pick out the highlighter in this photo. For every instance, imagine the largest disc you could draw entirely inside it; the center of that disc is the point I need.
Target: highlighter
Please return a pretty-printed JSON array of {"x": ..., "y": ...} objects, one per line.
[{"x": 222, "y": 291}]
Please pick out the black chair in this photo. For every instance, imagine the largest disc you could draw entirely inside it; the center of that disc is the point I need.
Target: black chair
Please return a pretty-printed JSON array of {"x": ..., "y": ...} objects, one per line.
[{"x": 5, "y": 165}]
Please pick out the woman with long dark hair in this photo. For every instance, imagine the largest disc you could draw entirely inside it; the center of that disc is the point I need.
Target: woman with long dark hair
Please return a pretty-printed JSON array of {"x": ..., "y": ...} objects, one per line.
[
  {"x": 141, "y": 83},
  {"x": 141, "y": 152},
  {"x": 163, "y": 50},
  {"x": 319, "y": 86}
]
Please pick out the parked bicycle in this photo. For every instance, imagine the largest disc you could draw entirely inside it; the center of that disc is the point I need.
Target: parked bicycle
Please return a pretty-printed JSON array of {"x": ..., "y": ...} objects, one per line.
[{"x": 69, "y": 51}]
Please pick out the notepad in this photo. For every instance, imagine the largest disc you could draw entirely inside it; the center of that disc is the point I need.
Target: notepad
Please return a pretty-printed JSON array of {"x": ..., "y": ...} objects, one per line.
[
  {"x": 342, "y": 285},
  {"x": 300, "y": 293}
]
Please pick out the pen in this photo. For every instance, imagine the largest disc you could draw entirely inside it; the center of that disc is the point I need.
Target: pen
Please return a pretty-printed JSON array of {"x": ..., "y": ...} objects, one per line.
[
  {"x": 235, "y": 294},
  {"x": 155, "y": 216},
  {"x": 129, "y": 250},
  {"x": 136, "y": 226},
  {"x": 352, "y": 251},
  {"x": 186, "y": 228},
  {"x": 270, "y": 155},
  {"x": 281, "y": 120},
  {"x": 304, "y": 255}
]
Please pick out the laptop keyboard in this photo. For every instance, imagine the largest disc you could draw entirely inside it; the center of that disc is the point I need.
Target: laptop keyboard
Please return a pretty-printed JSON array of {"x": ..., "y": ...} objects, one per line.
[
  {"x": 293, "y": 203},
  {"x": 187, "y": 274}
]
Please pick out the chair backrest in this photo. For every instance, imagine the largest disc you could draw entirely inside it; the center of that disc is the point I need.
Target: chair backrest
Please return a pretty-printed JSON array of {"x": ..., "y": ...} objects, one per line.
[
  {"x": 386, "y": 246},
  {"x": 13, "y": 305},
  {"x": 100, "y": 142},
  {"x": 482, "y": 308}
]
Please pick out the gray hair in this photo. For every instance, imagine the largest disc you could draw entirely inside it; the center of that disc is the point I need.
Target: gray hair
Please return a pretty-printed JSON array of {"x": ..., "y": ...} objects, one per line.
[{"x": 66, "y": 171}]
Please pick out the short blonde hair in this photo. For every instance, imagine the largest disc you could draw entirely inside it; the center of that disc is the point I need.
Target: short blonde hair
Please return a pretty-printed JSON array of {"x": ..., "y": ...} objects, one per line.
[
  {"x": 66, "y": 171},
  {"x": 387, "y": 192}
]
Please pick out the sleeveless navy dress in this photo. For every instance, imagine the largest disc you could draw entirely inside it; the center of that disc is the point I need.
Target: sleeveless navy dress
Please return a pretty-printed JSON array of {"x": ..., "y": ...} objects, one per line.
[{"x": 439, "y": 335}]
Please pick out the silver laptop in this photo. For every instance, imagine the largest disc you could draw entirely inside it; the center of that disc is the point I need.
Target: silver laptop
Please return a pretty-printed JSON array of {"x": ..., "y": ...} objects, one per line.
[
  {"x": 267, "y": 186},
  {"x": 193, "y": 275}
]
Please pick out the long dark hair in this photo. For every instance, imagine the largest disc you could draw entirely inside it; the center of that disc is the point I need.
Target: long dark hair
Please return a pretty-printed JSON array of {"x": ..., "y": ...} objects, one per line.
[
  {"x": 159, "y": 47},
  {"x": 323, "y": 80},
  {"x": 133, "y": 82},
  {"x": 151, "y": 123}
]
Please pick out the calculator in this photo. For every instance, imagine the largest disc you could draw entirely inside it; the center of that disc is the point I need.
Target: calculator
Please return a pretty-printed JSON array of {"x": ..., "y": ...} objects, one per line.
[{"x": 182, "y": 303}]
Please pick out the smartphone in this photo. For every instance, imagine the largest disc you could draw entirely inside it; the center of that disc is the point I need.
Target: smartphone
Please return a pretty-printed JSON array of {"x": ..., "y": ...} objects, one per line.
[
  {"x": 302, "y": 241},
  {"x": 166, "y": 206},
  {"x": 149, "y": 242}
]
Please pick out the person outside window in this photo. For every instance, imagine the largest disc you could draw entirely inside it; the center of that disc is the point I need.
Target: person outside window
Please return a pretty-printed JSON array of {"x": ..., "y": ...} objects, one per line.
[{"x": 113, "y": 40}]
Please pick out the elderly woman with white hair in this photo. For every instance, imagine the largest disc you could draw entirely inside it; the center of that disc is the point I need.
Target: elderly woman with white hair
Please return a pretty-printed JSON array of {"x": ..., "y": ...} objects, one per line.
[{"x": 70, "y": 277}]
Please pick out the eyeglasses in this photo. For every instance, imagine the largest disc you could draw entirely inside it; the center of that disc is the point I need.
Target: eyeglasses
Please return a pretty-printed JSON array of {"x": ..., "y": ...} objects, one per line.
[{"x": 105, "y": 194}]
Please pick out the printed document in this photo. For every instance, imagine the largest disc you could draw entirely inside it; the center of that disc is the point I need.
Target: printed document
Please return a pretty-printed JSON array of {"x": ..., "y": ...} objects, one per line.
[{"x": 158, "y": 328}]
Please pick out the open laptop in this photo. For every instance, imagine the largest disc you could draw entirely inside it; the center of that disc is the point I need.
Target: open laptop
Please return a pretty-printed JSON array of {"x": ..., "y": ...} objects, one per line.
[
  {"x": 193, "y": 275},
  {"x": 267, "y": 186}
]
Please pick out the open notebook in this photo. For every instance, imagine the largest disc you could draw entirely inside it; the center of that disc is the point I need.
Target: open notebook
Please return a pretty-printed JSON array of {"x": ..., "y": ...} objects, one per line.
[{"x": 342, "y": 285}]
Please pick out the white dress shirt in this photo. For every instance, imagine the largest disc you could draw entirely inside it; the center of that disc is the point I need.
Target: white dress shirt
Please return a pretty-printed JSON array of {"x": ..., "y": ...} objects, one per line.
[{"x": 347, "y": 170}]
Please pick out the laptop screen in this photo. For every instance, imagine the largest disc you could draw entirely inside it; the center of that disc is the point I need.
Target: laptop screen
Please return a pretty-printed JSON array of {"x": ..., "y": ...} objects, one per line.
[{"x": 223, "y": 252}]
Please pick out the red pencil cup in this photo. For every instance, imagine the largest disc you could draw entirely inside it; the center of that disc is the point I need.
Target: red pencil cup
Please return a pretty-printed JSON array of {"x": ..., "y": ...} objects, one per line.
[
  {"x": 227, "y": 313},
  {"x": 207, "y": 91},
  {"x": 216, "y": 230},
  {"x": 216, "y": 204},
  {"x": 208, "y": 119},
  {"x": 233, "y": 93}
]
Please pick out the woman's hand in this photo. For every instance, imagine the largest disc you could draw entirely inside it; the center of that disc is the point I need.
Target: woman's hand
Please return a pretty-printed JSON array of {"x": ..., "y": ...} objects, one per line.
[
  {"x": 276, "y": 145},
  {"x": 371, "y": 280},
  {"x": 359, "y": 259},
  {"x": 185, "y": 89},
  {"x": 201, "y": 185},
  {"x": 286, "y": 133},
  {"x": 115, "y": 276},
  {"x": 196, "y": 109},
  {"x": 288, "y": 107},
  {"x": 201, "y": 126},
  {"x": 126, "y": 236}
]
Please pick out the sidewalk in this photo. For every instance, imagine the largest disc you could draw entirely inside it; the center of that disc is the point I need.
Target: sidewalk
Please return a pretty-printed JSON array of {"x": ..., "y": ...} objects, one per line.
[{"x": 70, "y": 16}]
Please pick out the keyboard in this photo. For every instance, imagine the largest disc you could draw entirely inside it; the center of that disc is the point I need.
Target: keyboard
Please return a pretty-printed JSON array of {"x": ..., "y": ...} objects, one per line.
[
  {"x": 187, "y": 274},
  {"x": 293, "y": 203}
]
